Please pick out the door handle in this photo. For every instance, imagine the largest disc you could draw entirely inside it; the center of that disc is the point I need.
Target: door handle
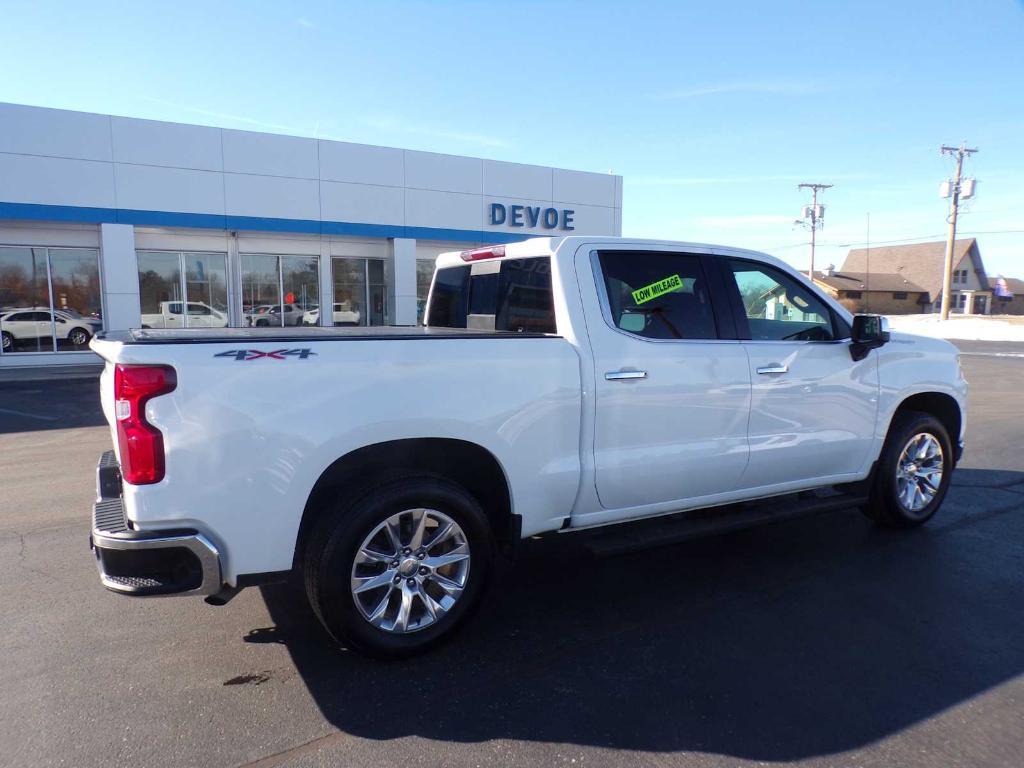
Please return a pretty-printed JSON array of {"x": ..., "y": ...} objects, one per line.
[
  {"x": 622, "y": 375},
  {"x": 774, "y": 368}
]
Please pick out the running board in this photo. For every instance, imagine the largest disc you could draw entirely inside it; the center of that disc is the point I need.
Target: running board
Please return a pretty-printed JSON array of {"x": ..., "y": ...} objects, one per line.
[{"x": 683, "y": 526}]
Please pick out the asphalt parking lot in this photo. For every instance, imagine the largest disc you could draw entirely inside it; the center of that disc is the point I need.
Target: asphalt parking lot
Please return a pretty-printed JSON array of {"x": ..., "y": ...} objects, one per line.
[{"x": 823, "y": 641}]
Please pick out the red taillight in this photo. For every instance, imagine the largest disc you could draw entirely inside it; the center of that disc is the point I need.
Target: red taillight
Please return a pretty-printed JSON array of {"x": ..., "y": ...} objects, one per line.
[
  {"x": 491, "y": 252},
  {"x": 141, "y": 444}
]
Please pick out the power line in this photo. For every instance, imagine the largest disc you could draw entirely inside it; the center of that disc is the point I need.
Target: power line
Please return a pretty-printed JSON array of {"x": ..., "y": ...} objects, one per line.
[
  {"x": 971, "y": 232},
  {"x": 918, "y": 238}
]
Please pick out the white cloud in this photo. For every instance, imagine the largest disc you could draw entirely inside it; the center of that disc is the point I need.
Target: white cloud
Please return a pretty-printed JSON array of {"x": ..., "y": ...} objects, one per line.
[
  {"x": 302, "y": 21},
  {"x": 694, "y": 181},
  {"x": 751, "y": 220},
  {"x": 781, "y": 87},
  {"x": 225, "y": 117},
  {"x": 389, "y": 123}
]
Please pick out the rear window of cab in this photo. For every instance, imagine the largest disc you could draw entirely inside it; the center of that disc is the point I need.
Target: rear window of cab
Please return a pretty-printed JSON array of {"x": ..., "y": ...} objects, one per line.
[{"x": 507, "y": 295}]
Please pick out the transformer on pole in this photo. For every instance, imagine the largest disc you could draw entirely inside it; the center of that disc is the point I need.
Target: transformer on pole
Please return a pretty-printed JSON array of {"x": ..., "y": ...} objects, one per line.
[{"x": 813, "y": 217}]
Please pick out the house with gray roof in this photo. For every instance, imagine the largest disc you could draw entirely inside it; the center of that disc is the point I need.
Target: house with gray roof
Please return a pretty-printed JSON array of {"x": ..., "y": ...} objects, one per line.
[
  {"x": 883, "y": 293},
  {"x": 907, "y": 279}
]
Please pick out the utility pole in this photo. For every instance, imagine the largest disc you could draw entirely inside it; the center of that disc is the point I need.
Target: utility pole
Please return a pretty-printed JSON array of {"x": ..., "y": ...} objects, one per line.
[
  {"x": 816, "y": 214},
  {"x": 954, "y": 187},
  {"x": 867, "y": 267}
]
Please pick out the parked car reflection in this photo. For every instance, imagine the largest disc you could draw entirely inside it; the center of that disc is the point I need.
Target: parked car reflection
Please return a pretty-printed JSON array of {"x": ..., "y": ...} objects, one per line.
[
  {"x": 26, "y": 329},
  {"x": 343, "y": 314},
  {"x": 274, "y": 315},
  {"x": 171, "y": 314}
]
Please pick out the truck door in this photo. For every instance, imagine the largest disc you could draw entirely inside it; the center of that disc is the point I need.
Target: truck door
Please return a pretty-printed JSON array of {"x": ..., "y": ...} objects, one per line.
[
  {"x": 174, "y": 314},
  {"x": 813, "y": 408},
  {"x": 672, "y": 382}
]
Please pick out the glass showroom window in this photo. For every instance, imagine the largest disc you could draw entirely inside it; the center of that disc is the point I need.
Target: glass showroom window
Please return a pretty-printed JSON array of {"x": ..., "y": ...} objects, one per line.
[
  {"x": 183, "y": 290},
  {"x": 424, "y": 274},
  {"x": 359, "y": 292},
  {"x": 280, "y": 290},
  {"x": 49, "y": 299}
]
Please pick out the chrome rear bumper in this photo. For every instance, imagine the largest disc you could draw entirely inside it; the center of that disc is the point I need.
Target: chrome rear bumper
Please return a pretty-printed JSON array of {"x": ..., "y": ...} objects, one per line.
[{"x": 147, "y": 563}]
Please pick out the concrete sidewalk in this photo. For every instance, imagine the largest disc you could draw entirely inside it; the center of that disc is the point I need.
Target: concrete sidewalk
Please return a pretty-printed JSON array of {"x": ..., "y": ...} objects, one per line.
[{"x": 50, "y": 372}]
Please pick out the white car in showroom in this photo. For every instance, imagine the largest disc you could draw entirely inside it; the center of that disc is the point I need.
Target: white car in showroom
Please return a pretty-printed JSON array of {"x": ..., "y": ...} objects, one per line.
[
  {"x": 275, "y": 315},
  {"x": 28, "y": 324},
  {"x": 343, "y": 315}
]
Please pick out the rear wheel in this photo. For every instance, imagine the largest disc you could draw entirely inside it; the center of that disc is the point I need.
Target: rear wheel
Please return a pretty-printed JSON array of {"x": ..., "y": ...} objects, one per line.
[
  {"x": 913, "y": 472},
  {"x": 397, "y": 569},
  {"x": 79, "y": 337}
]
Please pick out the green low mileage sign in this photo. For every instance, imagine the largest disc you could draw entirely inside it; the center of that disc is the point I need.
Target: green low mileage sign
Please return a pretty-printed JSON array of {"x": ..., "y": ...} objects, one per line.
[{"x": 654, "y": 290}]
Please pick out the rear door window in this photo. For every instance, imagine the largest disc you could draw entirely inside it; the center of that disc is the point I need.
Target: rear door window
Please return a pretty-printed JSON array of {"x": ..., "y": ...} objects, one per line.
[{"x": 658, "y": 295}]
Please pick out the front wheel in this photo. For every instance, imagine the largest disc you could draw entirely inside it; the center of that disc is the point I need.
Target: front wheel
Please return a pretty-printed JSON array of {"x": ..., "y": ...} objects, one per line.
[
  {"x": 913, "y": 472},
  {"x": 8, "y": 341},
  {"x": 397, "y": 569}
]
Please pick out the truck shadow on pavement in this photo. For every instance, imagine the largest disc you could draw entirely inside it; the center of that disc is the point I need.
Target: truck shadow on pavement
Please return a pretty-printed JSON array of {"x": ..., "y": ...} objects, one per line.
[{"x": 801, "y": 639}]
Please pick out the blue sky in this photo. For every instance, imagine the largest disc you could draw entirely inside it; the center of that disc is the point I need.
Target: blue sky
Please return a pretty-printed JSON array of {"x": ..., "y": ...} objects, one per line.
[{"x": 712, "y": 112}]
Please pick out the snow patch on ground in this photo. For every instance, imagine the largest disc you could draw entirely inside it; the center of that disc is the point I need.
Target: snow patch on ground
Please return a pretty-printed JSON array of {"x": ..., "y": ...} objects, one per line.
[{"x": 966, "y": 328}]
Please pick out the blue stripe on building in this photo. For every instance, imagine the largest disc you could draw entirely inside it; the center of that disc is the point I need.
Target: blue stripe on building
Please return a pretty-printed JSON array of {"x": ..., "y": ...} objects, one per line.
[{"x": 36, "y": 212}]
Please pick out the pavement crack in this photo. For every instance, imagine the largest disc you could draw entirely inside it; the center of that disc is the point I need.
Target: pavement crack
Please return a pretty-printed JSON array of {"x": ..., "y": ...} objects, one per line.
[
  {"x": 20, "y": 560},
  {"x": 305, "y": 748}
]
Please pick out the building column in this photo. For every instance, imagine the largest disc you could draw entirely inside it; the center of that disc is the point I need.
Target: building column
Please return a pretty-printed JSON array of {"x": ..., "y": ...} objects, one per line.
[
  {"x": 402, "y": 291},
  {"x": 119, "y": 276},
  {"x": 326, "y": 283}
]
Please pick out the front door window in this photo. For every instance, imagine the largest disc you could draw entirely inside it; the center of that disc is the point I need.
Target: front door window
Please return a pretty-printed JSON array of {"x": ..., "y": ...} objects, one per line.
[{"x": 778, "y": 308}]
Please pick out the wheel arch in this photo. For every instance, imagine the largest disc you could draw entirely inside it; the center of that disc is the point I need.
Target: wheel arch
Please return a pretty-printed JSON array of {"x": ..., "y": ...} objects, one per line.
[
  {"x": 468, "y": 464},
  {"x": 941, "y": 405}
]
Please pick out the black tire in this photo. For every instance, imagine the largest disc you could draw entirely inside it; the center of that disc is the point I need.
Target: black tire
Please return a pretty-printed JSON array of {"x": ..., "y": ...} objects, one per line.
[
  {"x": 884, "y": 505},
  {"x": 331, "y": 550},
  {"x": 81, "y": 334},
  {"x": 8, "y": 342}
]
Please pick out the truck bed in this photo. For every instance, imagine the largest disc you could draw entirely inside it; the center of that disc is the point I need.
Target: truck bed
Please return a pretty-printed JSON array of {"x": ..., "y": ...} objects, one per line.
[{"x": 305, "y": 333}]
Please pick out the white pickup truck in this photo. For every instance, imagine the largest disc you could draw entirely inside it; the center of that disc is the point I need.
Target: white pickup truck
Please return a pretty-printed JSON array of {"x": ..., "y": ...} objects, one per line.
[{"x": 559, "y": 384}]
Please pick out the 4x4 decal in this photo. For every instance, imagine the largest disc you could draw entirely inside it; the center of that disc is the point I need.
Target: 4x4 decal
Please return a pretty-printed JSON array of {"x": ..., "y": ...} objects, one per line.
[{"x": 258, "y": 354}]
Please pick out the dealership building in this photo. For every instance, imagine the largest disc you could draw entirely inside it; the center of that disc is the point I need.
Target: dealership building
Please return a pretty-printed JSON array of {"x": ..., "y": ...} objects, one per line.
[{"x": 111, "y": 223}]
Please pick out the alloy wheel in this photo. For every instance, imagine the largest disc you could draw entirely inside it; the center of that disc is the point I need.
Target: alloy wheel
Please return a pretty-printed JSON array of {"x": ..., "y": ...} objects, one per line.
[
  {"x": 919, "y": 472},
  {"x": 410, "y": 570}
]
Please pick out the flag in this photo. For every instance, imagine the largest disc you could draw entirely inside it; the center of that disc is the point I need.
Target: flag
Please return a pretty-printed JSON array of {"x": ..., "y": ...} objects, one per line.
[{"x": 1002, "y": 290}]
